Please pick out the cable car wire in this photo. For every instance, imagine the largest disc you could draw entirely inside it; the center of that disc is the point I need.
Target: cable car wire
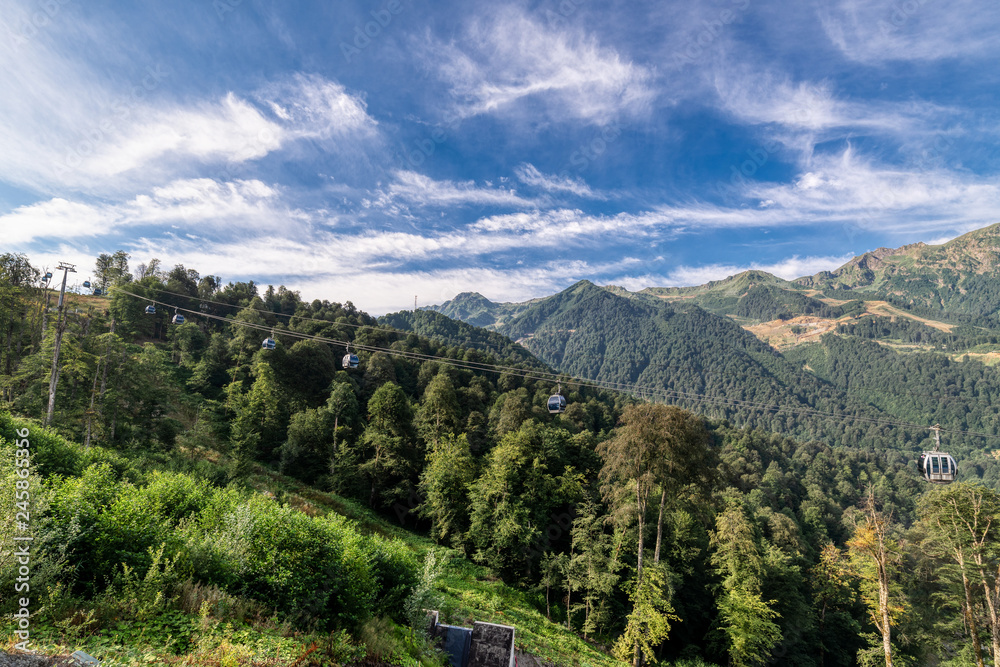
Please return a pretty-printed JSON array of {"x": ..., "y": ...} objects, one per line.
[
  {"x": 485, "y": 348},
  {"x": 632, "y": 389}
]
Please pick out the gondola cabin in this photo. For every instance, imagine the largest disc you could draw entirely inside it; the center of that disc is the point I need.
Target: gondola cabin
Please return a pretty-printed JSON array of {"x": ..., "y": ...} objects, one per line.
[
  {"x": 48, "y": 275},
  {"x": 178, "y": 319},
  {"x": 351, "y": 360},
  {"x": 86, "y": 284},
  {"x": 268, "y": 344},
  {"x": 938, "y": 467},
  {"x": 557, "y": 403},
  {"x": 151, "y": 310}
]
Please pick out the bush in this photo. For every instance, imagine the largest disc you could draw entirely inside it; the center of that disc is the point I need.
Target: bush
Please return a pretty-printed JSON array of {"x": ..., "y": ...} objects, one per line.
[
  {"x": 395, "y": 571},
  {"x": 51, "y": 454}
]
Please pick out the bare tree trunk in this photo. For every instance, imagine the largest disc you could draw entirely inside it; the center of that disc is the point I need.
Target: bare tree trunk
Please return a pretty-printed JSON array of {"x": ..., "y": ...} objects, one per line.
[
  {"x": 641, "y": 507},
  {"x": 991, "y": 604},
  {"x": 977, "y": 648},
  {"x": 569, "y": 599},
  {"x": 659, "y": 527},
  {"x": 107, "y": 352},
  {"x": 883, "y": 603},
  {"x": 548, "y": 609},
  {"x": 54, "y": 378}
]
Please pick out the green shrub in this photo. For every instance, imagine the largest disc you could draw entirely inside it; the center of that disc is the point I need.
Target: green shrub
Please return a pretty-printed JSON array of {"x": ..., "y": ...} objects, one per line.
[
  {"x": 395, "y": 570},
  {"x": 51, "y": 454}
]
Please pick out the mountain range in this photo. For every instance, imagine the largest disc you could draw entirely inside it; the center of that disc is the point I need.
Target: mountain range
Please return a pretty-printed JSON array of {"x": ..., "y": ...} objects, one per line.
[{"x": 905, "y": 335}]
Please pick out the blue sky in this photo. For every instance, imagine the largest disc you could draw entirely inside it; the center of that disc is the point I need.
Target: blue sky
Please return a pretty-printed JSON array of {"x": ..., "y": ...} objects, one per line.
[{"x": 373, "y": 151}]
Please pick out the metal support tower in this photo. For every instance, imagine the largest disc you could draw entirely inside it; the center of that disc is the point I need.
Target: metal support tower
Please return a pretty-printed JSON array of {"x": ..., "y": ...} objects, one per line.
[{"x": 60, "y": 327}]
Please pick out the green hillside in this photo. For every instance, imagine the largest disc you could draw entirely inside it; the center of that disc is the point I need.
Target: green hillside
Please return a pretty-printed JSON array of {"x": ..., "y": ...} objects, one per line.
[
  {"x": 955, "y": 281},
  {"x": 202, "y": 500}
]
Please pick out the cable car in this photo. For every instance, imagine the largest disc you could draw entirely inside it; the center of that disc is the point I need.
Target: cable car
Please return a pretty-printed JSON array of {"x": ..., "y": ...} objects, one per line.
[
  {"x": 268, "y": 344},
  {"x": 937, "y": 467},
  {"x": 86, "y": 283},
  {"x": 48, "y": 275},
  {"x": 97, "y": 291},
  {"x": 557, "y": 402},
  {"x": 350, "y": 360},
  {"x": 151, "y": 310},
  {"x": 178, "y": 319}
]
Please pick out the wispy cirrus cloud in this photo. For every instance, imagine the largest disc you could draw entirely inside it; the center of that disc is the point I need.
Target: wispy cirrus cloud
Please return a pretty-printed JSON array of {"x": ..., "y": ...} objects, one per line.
[
  {"x": 847, "y": 186},
  {"x": 417, "y": 189},
  {"x": 766, "y": 97},
  {"x": 64, "y": 126},
  {"x": 919, "y": 30},
  {"x": 530, "y": 175},
  {"x": 511, "y": 57},
  {"x": 199, "y": 204},
  {"x": 789, "y": 269}
]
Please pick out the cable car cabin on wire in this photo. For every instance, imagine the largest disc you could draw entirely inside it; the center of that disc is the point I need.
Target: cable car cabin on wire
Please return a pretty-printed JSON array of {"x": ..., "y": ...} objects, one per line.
[
  {"x": 937, "y": 467},
  {"x": 268, "y": 344},
  {"x": 557, "y": 402},
  {"x": 178, "y": 319},
  {"x": 350, "y": 360},
  {"x": 151, "y": 310}
]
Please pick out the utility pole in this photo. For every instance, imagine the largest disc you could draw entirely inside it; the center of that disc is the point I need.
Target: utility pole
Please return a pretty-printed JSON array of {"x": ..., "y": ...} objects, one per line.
[{"x": 60, "y": 327}]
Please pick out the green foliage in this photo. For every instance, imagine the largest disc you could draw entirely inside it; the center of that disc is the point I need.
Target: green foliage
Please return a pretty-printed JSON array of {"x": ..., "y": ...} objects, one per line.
[
  {"x": 307, "y": 451},
  {"x": 521, "y": 486},
  {"x": 649, "y": 622},
  {"x": 260, "y": 420},
  {"x": 768, "y": 302},
  {"x": 424, "y": 597},
  {"x": 748, "y": 622},
  {"x": 444, "y": 484}
]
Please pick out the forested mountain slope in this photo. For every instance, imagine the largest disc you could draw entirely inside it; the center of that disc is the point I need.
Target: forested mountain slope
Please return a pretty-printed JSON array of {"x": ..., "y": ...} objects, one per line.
[
  {"x": 687, "y": 356},
  {"x": 903, "y": 329},
  {"x": 234, "y": 500}
]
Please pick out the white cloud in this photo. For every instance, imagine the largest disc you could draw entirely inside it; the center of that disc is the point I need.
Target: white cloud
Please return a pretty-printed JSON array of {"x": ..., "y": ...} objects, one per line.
[
  {"x": 321, "y": 270},
  {"x": 849, "y": 187},
  {"x": 314, "y": 107},
  {"x": 789, "y": 269},
  {"x": 763, "y": 97},
  {"x": 67, "y": 127},
  {"x": 231, "y": 130},
  {"x": 512, "y": 57},
  {"x": 201, "y": 203},
  {"x": 56, "y": 218},
  {"x": 918, "y": 30},
  {"x": 421, "y": 190},
  {"x": 530, "y": 175}
]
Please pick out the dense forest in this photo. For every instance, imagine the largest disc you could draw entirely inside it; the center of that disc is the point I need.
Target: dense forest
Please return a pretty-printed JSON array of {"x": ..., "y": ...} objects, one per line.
[{"x": 247, "y": 502}]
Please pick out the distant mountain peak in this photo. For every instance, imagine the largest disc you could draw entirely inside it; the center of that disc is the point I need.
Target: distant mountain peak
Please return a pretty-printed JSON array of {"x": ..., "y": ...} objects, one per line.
[{"x": 873, "y": 259}]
